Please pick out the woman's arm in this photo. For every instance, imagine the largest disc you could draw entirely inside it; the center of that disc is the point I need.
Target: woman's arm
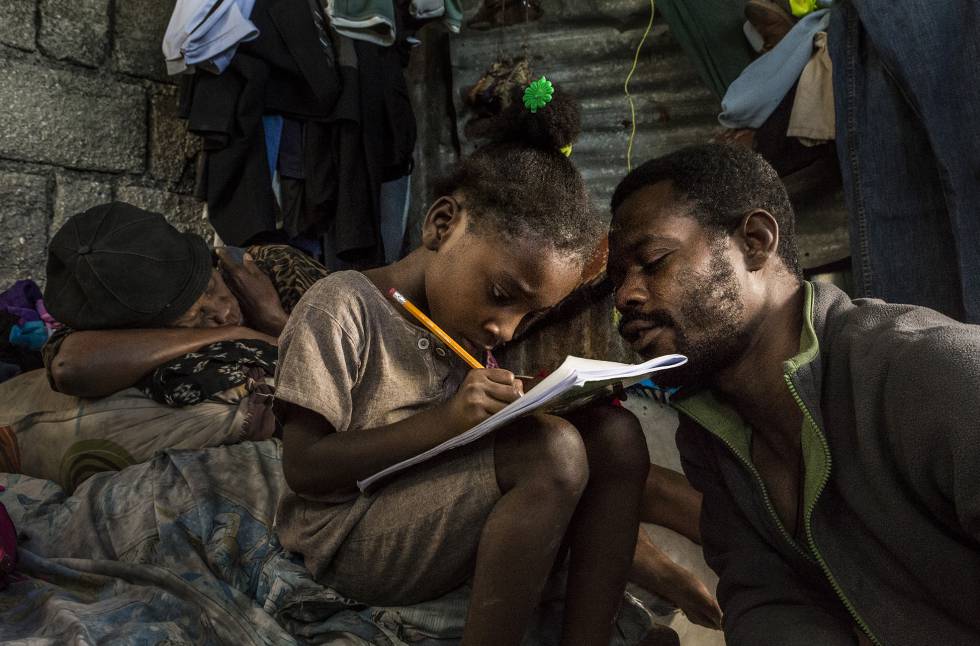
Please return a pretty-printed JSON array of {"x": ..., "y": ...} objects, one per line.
[{"x": 96, "y": 363}]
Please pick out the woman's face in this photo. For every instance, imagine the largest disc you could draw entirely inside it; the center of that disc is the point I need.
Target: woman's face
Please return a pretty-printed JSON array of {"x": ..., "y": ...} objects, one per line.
[{"x": 216, "y": 307}]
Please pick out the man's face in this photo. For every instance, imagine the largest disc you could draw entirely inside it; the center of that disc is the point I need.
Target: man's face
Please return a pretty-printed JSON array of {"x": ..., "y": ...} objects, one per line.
[
  {"x": 676, "y": 286},
  {"x": 480, "y": 287}
]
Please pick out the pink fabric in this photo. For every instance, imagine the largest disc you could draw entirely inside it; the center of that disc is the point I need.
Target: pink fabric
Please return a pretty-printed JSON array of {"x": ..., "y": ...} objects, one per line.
[
  {"x": 8, "y": 546},
  {"x": 49, "y": 321}
]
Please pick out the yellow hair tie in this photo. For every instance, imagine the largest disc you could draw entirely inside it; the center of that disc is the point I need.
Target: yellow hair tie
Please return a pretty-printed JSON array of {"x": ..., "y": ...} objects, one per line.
[{"x": 566, "y": 150}]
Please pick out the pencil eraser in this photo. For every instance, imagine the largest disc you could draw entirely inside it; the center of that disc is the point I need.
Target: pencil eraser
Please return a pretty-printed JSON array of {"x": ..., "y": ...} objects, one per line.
[{"x": 391, "y": 292}]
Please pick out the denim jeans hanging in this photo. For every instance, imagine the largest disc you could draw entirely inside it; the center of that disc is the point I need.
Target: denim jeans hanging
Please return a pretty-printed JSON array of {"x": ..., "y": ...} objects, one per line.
[{"x": 907, "y": 89}]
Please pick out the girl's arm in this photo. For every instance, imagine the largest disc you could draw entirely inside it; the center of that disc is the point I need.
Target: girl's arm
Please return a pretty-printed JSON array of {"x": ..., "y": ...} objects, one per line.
[
  {"x": 317, "y": 460},
  {"x": 96, "y": 363}
]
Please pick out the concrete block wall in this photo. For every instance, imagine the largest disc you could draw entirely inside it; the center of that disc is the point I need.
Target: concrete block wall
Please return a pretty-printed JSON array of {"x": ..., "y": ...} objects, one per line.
[{"x": 87, "y": 115}]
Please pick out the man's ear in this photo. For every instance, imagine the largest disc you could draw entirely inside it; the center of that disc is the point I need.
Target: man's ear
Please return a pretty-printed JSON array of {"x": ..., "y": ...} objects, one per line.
[
  {"x": 444, "y": 216},
  {"x": 758, "y": 235}
]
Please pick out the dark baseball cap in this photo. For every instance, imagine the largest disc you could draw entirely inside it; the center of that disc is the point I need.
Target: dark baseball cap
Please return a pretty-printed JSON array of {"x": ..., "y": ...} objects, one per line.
[{"x": 117, "y": 265}]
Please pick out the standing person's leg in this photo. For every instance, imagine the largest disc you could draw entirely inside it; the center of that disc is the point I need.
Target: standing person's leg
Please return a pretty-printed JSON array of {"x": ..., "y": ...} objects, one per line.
[
  {"x": 929, "y": 51},
  {"x": 602, "y": 534},
  {"x": 902, "y": 245}
]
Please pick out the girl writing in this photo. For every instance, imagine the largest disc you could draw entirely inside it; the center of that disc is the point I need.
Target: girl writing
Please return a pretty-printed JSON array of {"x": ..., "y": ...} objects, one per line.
[{"x": 361, "y": 386}]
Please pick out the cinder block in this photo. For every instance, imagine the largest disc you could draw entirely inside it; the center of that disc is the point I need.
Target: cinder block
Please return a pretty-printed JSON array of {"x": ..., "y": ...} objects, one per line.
[
  {"x": 172, "y": 148},
  {"x": 17, "y": 23},
  {"x": 73, "y": 195},
  {"x": 76, "y": 31},
  {"x": 72, "y": 120},
  {"x": 139, "y": 29},
  {"x": 23, "y": 227},
  {"x": 183, "y": 211}
]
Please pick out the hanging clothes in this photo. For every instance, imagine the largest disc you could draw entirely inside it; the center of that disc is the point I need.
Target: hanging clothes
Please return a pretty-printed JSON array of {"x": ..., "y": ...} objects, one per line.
[
  {"x": 303, "y": 128},
  {"x": 786, "y": 154},
  {"x": 369, "y": 141},
  {"x": 906, "y": 88},
  {"x": 710, "y": 32},
  {"x": 332, "y": 172},
  {"x": 760, "y": 88},
  {"x": 206, "y": 33},
  {"x": 377, "y": 21},
  {"x": 286, "y": 70},
  {"x": 427, "y": 9},
  {"x": 395, "y": 196},
  {"x": 812, "y": 118}
]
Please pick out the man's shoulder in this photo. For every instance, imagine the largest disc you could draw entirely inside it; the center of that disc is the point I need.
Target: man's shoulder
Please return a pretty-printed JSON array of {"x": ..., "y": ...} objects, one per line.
[
  {"x": 915, "y": 357},
  {"x": 903, "y": 332}
]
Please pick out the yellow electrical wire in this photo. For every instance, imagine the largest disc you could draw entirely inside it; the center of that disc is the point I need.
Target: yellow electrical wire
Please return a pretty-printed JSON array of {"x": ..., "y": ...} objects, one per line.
[{"x": 626, "y": 88}]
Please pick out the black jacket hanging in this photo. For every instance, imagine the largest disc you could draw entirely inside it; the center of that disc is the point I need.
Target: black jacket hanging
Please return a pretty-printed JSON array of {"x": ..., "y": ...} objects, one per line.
[
  {"x": 369, "y": 140},
  {"x": 285, "y": 70}
]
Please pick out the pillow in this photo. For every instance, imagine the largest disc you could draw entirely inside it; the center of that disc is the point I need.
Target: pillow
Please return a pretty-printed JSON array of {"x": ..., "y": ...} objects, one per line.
[{"x": 46, "y": 434}]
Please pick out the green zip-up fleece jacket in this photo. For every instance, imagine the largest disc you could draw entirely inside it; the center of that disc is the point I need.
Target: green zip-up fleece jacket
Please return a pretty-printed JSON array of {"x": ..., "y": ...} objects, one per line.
[{"x": 890, "y": 539}]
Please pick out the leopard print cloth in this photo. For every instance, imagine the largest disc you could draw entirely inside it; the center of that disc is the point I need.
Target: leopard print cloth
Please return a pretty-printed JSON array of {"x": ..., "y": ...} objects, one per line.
[{"x": 292, "y": 272}]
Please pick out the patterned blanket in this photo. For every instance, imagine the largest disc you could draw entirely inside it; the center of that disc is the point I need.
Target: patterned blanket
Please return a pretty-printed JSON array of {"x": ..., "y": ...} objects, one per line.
[{"x": 178, "y": 550}]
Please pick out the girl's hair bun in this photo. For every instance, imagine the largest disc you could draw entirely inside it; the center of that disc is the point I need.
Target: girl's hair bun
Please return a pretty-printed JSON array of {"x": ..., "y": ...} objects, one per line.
[
  {"x": 554, "y": 126},
  {"x": 520, "y": 185},
  {"x": 500, "y": 115}
]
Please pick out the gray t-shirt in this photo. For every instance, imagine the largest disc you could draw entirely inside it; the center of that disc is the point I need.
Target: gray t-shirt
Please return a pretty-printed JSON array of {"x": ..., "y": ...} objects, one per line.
[{"x": 348, "y": 354}]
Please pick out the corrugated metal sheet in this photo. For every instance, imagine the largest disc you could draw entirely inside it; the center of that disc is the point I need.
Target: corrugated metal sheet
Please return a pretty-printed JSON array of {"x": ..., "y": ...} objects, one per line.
[{"x": 588, "y": 50}]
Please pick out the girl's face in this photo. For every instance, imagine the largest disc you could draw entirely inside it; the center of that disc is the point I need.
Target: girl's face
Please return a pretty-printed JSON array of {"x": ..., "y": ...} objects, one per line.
[{"x": 479, "y": 286}]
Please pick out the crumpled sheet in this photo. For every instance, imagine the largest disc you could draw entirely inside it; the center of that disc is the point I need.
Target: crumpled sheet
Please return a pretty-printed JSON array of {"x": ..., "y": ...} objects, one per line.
[{"x": 178, "y": 550}]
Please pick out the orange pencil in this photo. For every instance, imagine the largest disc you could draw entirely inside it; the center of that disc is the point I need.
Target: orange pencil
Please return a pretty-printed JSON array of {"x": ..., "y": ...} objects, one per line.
[{"x": 435, "y": 329}]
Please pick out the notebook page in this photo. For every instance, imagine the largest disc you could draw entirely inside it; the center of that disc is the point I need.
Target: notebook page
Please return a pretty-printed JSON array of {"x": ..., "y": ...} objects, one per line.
[{"x": 573, "y": 372}]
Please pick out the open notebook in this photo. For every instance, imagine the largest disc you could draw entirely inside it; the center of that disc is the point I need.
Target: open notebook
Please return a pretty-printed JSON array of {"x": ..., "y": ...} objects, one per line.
[{"x": 575, "y": 383}]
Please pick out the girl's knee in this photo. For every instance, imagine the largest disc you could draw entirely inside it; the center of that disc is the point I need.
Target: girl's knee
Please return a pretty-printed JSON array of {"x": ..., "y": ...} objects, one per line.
[
  {"x": 616, "y": 444},
  {"x": 564, "y": 460},
  {"x": 552, "y": 455}
]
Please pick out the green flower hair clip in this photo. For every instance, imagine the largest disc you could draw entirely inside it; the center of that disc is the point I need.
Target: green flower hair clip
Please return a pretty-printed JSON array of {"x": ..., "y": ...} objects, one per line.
[{"x": 538, "y": 94}]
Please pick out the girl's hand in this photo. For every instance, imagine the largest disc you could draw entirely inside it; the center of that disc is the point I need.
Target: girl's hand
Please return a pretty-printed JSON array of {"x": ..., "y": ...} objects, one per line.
[
  {"x": 483, "y": 393},
  {"x": 256, "y": 294}
]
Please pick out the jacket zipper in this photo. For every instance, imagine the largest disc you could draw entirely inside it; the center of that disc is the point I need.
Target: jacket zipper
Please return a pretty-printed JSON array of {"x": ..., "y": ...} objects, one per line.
[
  {"x": 809, "y": 530},
  {"x": 765, "y": 495}
]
